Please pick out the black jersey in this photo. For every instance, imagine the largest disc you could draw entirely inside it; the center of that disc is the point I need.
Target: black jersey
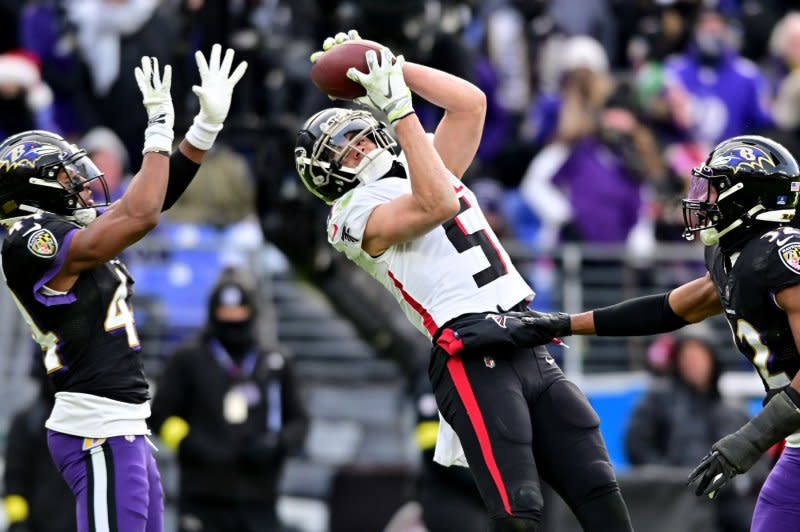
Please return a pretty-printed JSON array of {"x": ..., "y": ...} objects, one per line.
[
  {"x": 88, "y": 336},
  {"x": 747, "y": 285}
]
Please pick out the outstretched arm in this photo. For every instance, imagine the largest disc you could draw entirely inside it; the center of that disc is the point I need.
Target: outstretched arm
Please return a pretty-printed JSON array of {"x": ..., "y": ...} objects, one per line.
[
  {"x": 689, "y": 303},
  {"x": 659, "y": 313}
]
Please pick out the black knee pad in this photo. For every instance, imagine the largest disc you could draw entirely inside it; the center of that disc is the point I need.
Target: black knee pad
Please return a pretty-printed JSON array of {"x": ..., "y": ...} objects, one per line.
[
  {"x": 513, "y": 524},
  {"x": 528, "y": 499}
]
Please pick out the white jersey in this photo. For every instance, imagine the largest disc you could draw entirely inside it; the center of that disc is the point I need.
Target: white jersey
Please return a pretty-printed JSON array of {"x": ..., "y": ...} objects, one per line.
[{"x": 457, "y": 268}]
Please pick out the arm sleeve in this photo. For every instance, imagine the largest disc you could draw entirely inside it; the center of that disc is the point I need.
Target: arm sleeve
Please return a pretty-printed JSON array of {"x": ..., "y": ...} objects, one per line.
[
  {"x": 640, "y": 316},
  {"x": 181, "y": 173}
]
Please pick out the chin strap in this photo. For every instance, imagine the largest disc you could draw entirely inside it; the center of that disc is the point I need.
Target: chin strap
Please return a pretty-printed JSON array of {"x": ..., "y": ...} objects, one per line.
[
  {"x": 84, "y": 216},
  {"x": 711, "y": 236},
  {"x": 375, "y": 165}
]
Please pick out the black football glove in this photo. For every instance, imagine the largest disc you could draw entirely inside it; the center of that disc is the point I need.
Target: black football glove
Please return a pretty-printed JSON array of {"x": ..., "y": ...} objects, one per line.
[
  {"x": 736, "y": 453},
  {"x": 503, "y": 330},
  {"x": 714, "y": 472},
  {"x": 537, "y": 325}
]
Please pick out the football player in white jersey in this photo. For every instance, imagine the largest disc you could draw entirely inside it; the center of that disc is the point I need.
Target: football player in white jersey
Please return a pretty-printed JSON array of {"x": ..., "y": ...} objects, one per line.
[{"x": 400, "y": 212}]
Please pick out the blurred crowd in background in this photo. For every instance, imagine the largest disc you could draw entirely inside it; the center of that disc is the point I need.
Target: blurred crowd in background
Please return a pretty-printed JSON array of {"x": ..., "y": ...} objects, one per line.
[{"x": 597, "y": 110}]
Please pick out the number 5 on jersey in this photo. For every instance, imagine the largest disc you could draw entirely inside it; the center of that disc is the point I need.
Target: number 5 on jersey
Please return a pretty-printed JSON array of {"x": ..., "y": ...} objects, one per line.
[{"x": 456, "y": 231}]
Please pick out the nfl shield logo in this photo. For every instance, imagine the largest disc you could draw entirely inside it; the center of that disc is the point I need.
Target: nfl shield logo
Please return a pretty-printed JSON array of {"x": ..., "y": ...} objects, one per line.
[{"x": 489, "y": 362}]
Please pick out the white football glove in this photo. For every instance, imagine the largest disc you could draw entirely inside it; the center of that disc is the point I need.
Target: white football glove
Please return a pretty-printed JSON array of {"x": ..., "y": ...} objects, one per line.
[
  {"x": 385, "y": 85},
  {"x": 158, "y": 103},
  {"x": 330, "y": 42},
  {"x": 214, "y": 92}
]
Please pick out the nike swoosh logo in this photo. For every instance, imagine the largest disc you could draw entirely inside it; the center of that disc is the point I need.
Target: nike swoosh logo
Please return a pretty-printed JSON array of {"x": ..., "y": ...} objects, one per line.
[
  {"x": 782, "y": 241},
  {"x": 388, "y": 93}
]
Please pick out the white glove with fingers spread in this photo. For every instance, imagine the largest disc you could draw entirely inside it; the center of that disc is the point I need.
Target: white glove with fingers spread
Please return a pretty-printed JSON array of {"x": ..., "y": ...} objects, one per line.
[
  {"x": 158, "y": 103},
  {"x": 214, "y": 92},
  {"x": 385, "y": 85},
  {"x": 330, "y": 42}
]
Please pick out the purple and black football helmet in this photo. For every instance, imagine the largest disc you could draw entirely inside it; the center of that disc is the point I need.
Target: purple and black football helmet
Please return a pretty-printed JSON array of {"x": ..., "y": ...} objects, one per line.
[{"x": 30, "y": 163}]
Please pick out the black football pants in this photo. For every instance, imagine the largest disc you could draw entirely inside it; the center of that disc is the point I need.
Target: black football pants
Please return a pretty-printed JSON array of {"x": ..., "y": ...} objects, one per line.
[{"x": 519, "y": 419}]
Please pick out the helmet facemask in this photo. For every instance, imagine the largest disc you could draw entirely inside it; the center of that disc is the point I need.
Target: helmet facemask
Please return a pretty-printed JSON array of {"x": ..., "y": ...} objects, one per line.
[
  {"x": 748, "y": 184},
  {"x": 717, "y": 204},
  {"x": 74, "y": 174},
  {"x": 344, "y": 135},
  {"x": 701, "y": 214}
]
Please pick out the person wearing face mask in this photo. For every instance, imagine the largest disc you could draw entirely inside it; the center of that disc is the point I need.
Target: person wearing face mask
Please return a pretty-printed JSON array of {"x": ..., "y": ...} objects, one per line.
[
  {"x": 231, "y": 410},
  {"x": 712, "y": 91}
]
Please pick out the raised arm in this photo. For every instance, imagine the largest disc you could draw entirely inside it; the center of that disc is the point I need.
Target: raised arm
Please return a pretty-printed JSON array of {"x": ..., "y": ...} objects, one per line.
[
  {"x": 433, "y": 199},
  {"x": 459, "y": 132},
  {"x": 137, "y": 211},
  {"x": 214, "y": 94},
  {"x": 162, "y": 177}
]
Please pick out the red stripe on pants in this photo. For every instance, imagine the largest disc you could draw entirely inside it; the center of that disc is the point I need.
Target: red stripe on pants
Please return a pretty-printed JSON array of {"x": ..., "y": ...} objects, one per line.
[{"x": 459, "y": 375}]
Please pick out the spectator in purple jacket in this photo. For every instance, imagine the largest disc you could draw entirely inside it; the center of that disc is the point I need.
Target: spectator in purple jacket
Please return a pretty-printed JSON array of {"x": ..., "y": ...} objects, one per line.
[
  {"x": 715, "y": 93},
  {"x": 593, "y": 164}
]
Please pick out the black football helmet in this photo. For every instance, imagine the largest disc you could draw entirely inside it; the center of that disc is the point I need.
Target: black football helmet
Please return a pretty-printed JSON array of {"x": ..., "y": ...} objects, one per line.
[
  {"x": 327, "y": 137},
  {"x": 745, "y": 180},
  {"x": 30, "y": 163}
]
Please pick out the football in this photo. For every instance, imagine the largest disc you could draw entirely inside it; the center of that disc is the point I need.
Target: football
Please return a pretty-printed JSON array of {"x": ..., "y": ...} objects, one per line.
[{"x": 329, "y": 72}]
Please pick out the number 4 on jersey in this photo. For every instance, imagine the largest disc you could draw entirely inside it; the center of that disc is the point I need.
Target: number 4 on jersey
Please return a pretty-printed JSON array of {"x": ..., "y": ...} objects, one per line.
[{"x": 119, "y": 314}]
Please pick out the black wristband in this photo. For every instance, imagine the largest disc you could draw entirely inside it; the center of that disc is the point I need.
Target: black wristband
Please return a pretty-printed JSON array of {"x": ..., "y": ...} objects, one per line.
[
  {"x": 638, "y": 317},
  {"x": 181, "y": 173}
]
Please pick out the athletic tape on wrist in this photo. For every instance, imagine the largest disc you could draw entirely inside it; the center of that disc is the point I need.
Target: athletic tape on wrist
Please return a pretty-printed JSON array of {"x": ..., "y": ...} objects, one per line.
[
  {"x": 158, "y": 137},
  {"x": 202, "y": 134}
]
